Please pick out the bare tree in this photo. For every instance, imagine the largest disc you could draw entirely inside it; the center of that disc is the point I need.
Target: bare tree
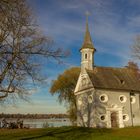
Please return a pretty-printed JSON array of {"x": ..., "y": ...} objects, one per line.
[{"x": 21, "y": 45}]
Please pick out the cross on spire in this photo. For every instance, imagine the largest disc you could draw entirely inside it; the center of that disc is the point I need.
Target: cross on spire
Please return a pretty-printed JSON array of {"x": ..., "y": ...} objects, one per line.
[{"x": 87, "y": 15}]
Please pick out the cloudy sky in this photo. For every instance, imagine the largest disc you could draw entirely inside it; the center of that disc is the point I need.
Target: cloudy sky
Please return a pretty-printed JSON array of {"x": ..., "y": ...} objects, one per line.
[{"x": 114, "y": 25}]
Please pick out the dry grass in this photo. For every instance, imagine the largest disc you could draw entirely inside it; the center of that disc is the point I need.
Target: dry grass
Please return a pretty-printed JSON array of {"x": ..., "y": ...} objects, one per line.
[{"x": 71, "y": 133}]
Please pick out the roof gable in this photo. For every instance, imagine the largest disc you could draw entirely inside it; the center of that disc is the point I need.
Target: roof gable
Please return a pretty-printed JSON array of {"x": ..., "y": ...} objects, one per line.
[{"x": 83, "y": 82}]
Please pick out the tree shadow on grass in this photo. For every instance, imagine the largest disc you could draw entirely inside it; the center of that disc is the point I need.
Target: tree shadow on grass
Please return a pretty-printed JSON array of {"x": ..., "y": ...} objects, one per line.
[{"x": 72, "y": 133}]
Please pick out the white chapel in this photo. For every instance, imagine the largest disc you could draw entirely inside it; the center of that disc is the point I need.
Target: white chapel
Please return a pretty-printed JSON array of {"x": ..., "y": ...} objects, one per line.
[{"x": 106, "y": 96}]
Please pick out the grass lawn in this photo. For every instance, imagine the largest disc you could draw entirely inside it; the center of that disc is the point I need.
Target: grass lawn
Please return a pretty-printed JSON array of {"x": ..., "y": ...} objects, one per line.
[{"x": 70, "y": 133}]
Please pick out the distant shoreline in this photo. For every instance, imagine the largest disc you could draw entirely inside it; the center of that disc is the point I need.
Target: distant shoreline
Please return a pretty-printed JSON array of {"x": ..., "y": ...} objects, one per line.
[{"x": 33, "y": 116}]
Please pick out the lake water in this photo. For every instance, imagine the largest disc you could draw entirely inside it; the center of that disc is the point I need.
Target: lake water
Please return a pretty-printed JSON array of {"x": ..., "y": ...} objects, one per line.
[{"x": 40, "y": 123}]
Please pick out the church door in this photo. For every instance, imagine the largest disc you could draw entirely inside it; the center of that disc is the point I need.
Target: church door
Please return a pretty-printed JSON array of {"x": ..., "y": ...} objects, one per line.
[{"x": 114, "y": 119}]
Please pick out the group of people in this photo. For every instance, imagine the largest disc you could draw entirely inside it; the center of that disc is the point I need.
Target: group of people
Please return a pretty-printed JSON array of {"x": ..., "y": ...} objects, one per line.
[{"x": 12, "y": 125}]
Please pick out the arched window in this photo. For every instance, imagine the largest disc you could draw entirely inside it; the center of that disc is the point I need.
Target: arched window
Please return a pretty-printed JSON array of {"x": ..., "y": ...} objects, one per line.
[{"x": 86, "y": 56}]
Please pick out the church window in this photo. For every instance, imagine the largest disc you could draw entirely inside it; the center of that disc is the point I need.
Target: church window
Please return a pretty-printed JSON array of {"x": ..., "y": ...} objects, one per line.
[
  {"x": 103, "y": 98},
  {"x": 102, "y": 117},
  {"x": 132, "y": 99},
  {"x": 90, "y": 98},
  {"x": 125, "y": 117},
  {"x": 86, "y": 56},
  {"x": 122, "y": 98}
]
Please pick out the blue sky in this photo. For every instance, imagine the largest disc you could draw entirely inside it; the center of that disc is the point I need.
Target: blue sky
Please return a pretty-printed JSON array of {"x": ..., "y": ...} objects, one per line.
[{"x": 114, "y": 25}]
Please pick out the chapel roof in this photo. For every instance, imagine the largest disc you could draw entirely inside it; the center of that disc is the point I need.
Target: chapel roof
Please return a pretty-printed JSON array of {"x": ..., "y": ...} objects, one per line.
[{"x": 114, "y": 78}]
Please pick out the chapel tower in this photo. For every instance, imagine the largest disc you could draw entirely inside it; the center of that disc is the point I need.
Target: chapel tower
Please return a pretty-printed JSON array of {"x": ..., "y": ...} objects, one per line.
[{"x": 87, "y": 51}]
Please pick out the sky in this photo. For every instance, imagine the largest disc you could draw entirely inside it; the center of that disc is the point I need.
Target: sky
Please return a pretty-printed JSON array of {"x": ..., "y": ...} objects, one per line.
[{"x": 113, "y": 24}]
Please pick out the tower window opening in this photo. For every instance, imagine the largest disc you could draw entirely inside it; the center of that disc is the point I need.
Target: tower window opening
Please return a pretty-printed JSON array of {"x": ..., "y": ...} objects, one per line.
[{"x": 86, "y": 56}]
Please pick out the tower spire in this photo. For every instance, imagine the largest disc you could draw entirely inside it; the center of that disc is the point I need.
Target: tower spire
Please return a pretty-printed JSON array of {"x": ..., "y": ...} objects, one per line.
[
  {"x": 87, "y": 50},
  {"x": 87, "y": 38}
]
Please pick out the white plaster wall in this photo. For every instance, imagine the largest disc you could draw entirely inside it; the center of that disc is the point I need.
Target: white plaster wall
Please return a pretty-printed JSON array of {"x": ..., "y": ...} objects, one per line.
[{"x": 98, "y": 108}]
